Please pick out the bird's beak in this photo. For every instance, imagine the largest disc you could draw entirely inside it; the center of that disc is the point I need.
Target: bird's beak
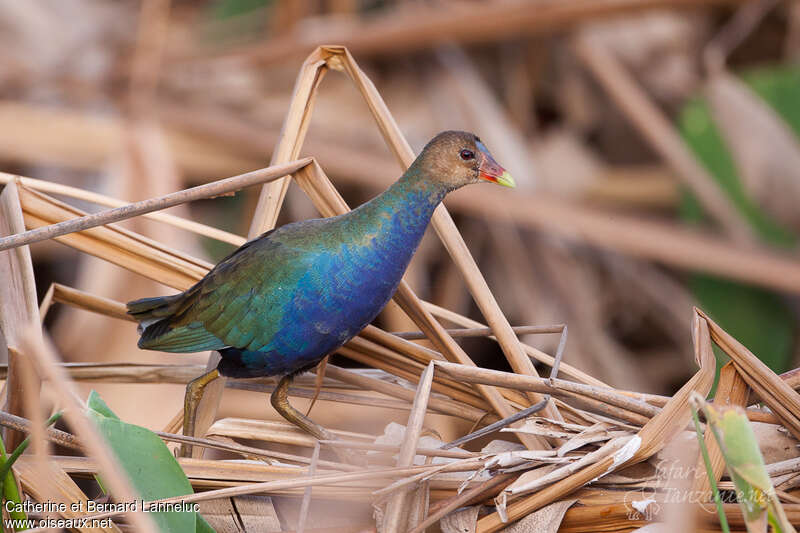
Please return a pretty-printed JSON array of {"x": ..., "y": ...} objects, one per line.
[{"x": 489, "y": 170}]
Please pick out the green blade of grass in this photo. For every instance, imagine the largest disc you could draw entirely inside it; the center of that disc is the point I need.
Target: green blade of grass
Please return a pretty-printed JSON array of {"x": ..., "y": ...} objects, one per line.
[{"x": 723, "y": 520}]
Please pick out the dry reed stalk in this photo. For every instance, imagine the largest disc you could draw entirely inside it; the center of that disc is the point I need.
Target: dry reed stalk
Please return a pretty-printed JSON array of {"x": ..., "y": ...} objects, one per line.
[
  {"x": 396, "y": 514},
  {"x": 676, "y": 414},
  {"x": 70, "y": 441},
  {"x": 615, "y": 450},
  {"x": 547, "y": 386},
  {"x": 735, "y": 30},
  {"x": 657, "y": 129},
  {"x": 243, "y": 471},
  {"x": 393, "y": 449},
  {"x": 34, "y": 410},
  {"x": 574, "y": 415},
  {"x": 83, "y": 300},
  {"x": 415, "y": 351},
  {"x": 665, "y": 243},
  {"x": 107, "y": 201},
  {"x": 113, "y": 476},
  {"x": 249, "y": 451},
  {"x": 446, "y": 386},
  {"x": 783, "y": 467},
  {"x": 411, "y": 373},
  {"x": 481, "y": 332},
  {"x": 367, "y": 399},
  {"x": 312, "y": 470},
  {"x": 279, "y": 432},
  {"x": 773, "y": 391},
  {"x": 471, "y": 496},
  {"x": 441, "y": 405},
  {"x": 182, "y": 374},
  {"x": 652, "y": 437},
  {"x": 116, "y": 245},
  {"x": 422, "y": 26},
  {"x": 342, "y": 494},
  {"x": 243, "y": 138},
  {"x": 359, "y": 348},
  {"x": 32, "y": 402},
  {"x": 525, "y": 413},
  {"x": 72, "y": 139},
  {"x": 291, "y": 140},
  {"x": 23, "y": 425},
  {"x": 18, "y": 309},
  {"x": 411, "y": 480},
  {"x": 792, "y": 378},
  {"x": 336, "y": 480},
  {"x": 390, "y": 356},
  {"x": 151, "y": 38},
  {"x": 117, "y": 214},
  {"x": 731, "y": 390},
  {"x": 616, "y": 517},
  {"x": 233, "y": 473},
  {"x": 62, "y": 490},
  {"x": 128, "y": 372},
  {"x": 285, "y": 434},
  {"x": 639, "y": 186},
  {"x": 556, "y": 216},
  {"x": 537, "y": 354},
  {"x": 598, "y": 408}
]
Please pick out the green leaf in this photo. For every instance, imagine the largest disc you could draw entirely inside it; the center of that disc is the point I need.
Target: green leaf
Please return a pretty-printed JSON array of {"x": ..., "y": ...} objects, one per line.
[
  {"x": 150, "y": 466},
  {"x": 759, "y": 318},
  {"x": 96, "y": 403},
  {"x": 203, "y": 526},
  {"x": 723, "y": 520},
  {"x": 10, "y": 492},
  {"x": 223, "y": 9},
  {"x": 745, "y": 464}
]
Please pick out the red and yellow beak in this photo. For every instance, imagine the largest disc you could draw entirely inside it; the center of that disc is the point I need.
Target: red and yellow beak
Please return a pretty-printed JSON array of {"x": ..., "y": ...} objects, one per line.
[{"x": 490, "y": 170}]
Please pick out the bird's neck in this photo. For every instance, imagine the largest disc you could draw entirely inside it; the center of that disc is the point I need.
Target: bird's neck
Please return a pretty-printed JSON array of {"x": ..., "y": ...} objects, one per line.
[
  {"x": 413, "y": 197},
  {"x": 399, "y": 216}
]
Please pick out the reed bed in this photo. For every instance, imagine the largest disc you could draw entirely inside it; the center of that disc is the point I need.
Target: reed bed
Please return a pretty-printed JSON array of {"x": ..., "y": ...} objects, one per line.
[{"x": 480, "y": 450}]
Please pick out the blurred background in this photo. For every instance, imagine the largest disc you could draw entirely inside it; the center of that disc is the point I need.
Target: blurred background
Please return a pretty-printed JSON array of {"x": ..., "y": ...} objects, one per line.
[{"x": 654, "y": 143}]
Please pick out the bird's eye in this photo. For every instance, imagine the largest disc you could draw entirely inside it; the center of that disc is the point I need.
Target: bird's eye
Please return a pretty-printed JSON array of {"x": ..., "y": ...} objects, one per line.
[{"x": 466, "y": 155}]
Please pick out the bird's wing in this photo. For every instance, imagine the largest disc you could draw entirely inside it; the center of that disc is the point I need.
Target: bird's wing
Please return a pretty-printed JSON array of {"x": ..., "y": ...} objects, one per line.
[{"x": 238, "y": 303}]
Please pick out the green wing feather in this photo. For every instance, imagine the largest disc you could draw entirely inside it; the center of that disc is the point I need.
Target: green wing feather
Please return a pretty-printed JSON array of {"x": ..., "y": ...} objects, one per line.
[{"x": 238, "y": 303}]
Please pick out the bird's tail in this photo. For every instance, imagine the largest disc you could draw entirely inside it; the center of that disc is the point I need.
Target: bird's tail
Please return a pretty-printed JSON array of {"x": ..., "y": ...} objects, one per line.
[{"x": 150, "y": 310}]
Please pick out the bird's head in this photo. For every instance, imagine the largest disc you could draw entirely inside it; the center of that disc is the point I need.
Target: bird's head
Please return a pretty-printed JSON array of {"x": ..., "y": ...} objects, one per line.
[{"x": 458, "y": 158}]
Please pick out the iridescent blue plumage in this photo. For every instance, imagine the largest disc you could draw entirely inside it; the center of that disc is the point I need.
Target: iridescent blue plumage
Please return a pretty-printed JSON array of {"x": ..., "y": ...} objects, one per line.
[
  {"x": 341, "y": 288},
  {"x": 283, "y": 301}
]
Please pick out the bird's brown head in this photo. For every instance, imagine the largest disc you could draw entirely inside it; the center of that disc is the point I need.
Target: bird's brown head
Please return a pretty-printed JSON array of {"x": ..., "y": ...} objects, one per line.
[{"x": 458, "y": 158}]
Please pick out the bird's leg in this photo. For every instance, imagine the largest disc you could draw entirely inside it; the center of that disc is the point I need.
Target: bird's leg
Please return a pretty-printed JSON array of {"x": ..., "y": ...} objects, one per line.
[
  {"x": 280, "y": 401},
  {"x": 194, "y": 393}
]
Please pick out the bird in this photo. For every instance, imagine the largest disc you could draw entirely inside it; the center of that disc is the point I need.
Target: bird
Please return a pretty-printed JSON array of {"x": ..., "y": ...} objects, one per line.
[{"x": 286, "y": 299}]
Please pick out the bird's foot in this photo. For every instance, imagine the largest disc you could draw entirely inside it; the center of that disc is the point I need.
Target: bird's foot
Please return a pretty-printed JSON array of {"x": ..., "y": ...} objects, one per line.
[{"x": 280, "y": 401}]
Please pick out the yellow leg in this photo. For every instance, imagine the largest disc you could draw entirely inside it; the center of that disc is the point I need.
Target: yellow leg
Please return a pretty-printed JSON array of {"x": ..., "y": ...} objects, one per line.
[
  {"x": 280, "y": 401},
  {"x": 194, "y": 393}
]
